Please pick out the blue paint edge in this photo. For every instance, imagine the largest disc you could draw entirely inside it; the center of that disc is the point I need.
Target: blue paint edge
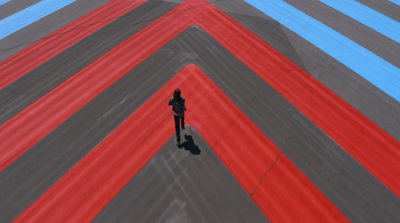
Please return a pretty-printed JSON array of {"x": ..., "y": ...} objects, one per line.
[
  {"x": 30, "y": 15},
  {"x": 376, "y": 70},
  {"x": 367, "y": 16},
  {"x": 397, "y": 2},
  {"x": 2, "y": 2}
]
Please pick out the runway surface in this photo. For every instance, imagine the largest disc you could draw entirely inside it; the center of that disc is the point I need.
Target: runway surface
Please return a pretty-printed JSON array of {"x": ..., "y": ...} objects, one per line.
[{"x": 293, "y": 111}]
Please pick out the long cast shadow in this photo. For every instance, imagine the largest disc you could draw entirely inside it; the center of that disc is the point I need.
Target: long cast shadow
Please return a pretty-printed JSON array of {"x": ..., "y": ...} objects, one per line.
[{"x": 190, "y": 145}]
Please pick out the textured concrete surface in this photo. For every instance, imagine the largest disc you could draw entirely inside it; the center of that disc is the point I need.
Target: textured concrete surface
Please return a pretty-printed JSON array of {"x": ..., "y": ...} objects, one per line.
[
  {"x": 183, "y": 184},
  {"x": 44, "y": 27},
  {"x": 192, "y": 184}
]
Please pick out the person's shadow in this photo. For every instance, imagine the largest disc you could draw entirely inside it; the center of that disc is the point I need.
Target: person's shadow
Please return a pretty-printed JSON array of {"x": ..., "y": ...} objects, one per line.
[{"x": 190, "y": 145}]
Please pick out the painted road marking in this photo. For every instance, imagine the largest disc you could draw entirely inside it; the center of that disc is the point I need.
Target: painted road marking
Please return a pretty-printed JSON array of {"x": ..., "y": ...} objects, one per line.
[
  {"x": 30, "y": 15},
  {"x": 27, "y": 60},
  {"x": 74, "y": 199},
  {"x": 371, "y": 67},
  {"x": 241, "y": 46},
  {"x": 2, "y": 2},
  {"x": 241, "y": 39},
  {"x": 395, "y": 2},
  {"x": 367, "y": 16}
]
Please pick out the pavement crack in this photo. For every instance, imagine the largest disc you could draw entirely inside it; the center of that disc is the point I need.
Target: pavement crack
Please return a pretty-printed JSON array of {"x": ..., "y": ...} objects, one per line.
[
  {"x": 258, "y": 185},
  {"x": 266, "y": 173},
  {"x": 271, "y": 167},
  {"x": 112, "y": 109}
]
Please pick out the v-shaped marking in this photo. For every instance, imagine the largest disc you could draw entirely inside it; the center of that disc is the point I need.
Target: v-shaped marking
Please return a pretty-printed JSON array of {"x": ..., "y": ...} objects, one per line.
[
  {"x": 287, "y": 79},
  {"x": 260, "y": 167},
  {"x": 348, "y": 127}
]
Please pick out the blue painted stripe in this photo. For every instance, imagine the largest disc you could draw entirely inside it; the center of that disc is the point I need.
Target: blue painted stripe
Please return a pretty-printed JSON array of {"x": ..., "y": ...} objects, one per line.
[
  {"x": 2, "y": 2},
  {"x": 395, "y": 1},
  {"x": 373, "y": 68},
  {"x": 368, "y": 17},
  {"x": 30, "y": 15}
]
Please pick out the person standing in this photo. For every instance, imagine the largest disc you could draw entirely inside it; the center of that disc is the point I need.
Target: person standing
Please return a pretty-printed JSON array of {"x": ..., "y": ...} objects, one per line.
[{"x": 179, "y": 108}]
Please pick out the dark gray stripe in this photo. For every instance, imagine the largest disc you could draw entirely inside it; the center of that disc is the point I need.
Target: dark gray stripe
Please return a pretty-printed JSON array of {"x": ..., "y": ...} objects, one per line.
[
  {"x": 40, "y": 29},
  {"x": 351, "y": 188},
  {"x": 362, "y": 95},
  {"x": 368, "y": 38},
  {"x": 26, "y": 179},
  {"x": 29, "y": 88},
  {"x": 14, "y": 6},
  {"x": 385, "y": 7},
  {"x": 178, "y": 186}
]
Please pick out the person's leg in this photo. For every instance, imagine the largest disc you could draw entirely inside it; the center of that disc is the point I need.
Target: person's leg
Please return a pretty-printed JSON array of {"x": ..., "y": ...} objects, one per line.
[
  {"x": 183, "y": 122},
  {"x": 177, "y": 130}
]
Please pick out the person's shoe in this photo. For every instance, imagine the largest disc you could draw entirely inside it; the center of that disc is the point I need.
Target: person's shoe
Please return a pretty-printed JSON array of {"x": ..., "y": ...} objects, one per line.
[{"x": 183, "y": 127}]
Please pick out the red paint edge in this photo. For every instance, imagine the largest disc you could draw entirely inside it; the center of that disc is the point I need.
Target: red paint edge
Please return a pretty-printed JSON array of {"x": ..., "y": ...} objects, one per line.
[
  {"x": 271, "y": 65},
  {"x": 39, "y": 52},
  {"x": 369, "y": 144},
  {"x": 87, "y": 188},
  {"x": 32, "y": 124}
]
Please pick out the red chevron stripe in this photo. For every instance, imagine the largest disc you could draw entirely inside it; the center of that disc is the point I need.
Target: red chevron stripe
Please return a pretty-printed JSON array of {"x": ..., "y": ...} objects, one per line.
[
  {"x": 347, "y": 126},
  {"x": 21, "y": 132},
  {"x": 375, "y": 149},
  {"x": 297, "y": 93},
  {"x": 274, "y": 182},
  {"x": 85, "y": 190},
  {"x": 33, "y": 56}
]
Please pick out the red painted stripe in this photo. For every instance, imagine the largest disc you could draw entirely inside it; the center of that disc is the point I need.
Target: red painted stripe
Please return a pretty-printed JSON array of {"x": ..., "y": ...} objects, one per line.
[
  {"x": 238, "y": 36},
  {"x": 85, "y": 190},
  {"x": 28, "y": 127},
  {"x": 278, "y": 187},
  {"x": 375, "y": 149},
  {"x": 36, "y": 54}
]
